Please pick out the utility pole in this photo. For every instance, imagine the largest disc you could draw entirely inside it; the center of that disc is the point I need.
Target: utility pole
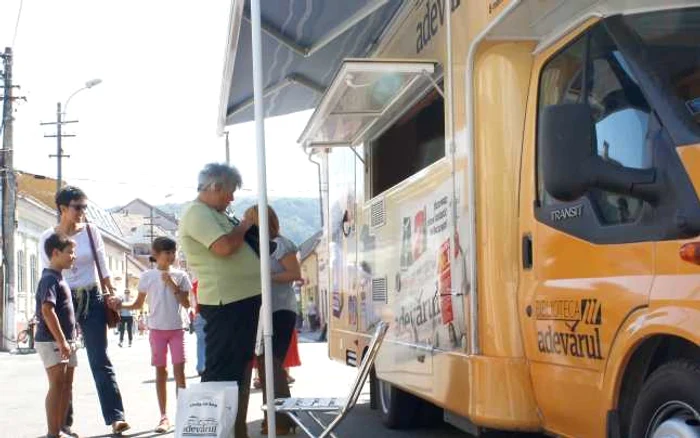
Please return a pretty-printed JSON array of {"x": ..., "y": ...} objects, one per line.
[
  {"x": 60, "y": 115},
  {"x": 228, "y": 153},
  {"x": 9, "y": 194},
  {"x": 59, "y": 148},
  {"x": 151, "y": 224}
]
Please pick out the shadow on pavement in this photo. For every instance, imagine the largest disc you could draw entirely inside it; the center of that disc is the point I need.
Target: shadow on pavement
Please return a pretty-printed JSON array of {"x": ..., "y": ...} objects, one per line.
[
  {"x": 144, "y": 434},
  {"x": 364, "y": 422},
  {"x": 172, "y": 379}
]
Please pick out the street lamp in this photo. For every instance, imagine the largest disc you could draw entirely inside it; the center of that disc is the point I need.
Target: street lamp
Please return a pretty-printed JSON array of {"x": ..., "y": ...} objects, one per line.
[
  {"x": 60, "y": 121},
  {"x": 89, "y": 84}
]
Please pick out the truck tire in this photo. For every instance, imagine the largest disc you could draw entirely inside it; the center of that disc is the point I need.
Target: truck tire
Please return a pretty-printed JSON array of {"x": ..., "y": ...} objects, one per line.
[
  {"x": 669, "y": 402},
  {"x": 398, "y": 408}
]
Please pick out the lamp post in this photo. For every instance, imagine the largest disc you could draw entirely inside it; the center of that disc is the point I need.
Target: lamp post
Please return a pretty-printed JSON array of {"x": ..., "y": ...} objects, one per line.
[{"x": 60, "y": 121}]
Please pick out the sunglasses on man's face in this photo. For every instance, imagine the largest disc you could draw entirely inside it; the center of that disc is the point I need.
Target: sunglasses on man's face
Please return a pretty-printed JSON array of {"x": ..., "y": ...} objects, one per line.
[{"x": 79, "y": 207}]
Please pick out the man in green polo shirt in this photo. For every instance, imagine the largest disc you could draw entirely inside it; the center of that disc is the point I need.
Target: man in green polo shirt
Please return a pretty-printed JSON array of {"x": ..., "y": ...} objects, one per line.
[{"x": 229, "y": 282}]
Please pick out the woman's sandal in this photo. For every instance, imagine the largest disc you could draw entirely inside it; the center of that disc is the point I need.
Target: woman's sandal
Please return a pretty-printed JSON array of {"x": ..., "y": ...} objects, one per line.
[{"x": 119, "y": 427}]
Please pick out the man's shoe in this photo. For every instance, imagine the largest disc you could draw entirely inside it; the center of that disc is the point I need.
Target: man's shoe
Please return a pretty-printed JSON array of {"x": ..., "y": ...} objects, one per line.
[
  {"x": 281, "y": 430},
  {"x": 67, "y": 432},
  {"x": 120, "y": 345}
]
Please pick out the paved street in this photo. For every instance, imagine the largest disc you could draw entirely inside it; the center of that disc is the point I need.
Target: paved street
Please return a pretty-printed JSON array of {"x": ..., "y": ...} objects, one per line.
[{"x": 22, "y": 400}]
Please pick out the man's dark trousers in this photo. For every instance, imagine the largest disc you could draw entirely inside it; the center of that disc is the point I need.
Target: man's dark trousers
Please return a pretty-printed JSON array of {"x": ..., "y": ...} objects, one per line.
[
  {"x": 127, "y": 323},
  {"x": 230, "y": 334}
]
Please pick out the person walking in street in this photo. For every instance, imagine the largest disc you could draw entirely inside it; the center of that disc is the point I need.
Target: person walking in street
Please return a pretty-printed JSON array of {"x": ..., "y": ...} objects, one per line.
[
  {"x": 127, "y": 322},
  {"x": 229, "y": 274},
  {"x": 312, "y": 313},
  {"x": 56, "y": 331},
  {"x": 88, "y": 301},
  {"x": 141, "y": 323},
  {"x": 284, "y": 267},
  {"x": 167, "y": 290},
  {"x": 198, "y": 323}
]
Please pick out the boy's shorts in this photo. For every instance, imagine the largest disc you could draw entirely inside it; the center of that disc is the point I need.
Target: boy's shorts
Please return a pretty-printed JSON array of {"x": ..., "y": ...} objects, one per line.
[
  {"x": 160, "y": 340},
  {"x": 51, "y": 355}
]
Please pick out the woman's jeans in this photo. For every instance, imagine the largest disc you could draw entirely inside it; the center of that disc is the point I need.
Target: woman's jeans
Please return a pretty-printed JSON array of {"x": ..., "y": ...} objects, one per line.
[
  {"x": 93, "y": 323},
  {"x": 199, "y": 323}
]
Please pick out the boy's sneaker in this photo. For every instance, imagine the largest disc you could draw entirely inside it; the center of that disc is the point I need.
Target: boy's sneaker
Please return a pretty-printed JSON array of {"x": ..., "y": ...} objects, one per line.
[{"x": 163, "y": 425}]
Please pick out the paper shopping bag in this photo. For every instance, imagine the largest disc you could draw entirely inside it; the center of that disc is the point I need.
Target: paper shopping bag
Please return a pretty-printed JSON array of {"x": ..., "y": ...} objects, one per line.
[{"x": 207, "y": 409}]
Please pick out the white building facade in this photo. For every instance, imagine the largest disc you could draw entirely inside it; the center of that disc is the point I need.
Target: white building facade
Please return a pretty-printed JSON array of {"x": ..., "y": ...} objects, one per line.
[{"x": 33, "y": 218}]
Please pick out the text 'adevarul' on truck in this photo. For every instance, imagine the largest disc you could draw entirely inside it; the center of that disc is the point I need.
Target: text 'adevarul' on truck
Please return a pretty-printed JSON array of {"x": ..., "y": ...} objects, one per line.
[{"x": 514, "y": 186}]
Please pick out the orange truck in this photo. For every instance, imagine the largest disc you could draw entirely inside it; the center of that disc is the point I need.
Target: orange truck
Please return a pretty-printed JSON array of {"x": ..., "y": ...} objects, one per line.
[{"x": 513, "y": 185}]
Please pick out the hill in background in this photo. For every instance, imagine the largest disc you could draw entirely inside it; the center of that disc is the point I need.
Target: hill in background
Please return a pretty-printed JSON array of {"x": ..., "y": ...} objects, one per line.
[{"x": 299, "y": 217}]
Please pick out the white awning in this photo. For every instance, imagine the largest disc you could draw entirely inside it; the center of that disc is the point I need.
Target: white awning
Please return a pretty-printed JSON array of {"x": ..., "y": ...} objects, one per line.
[{"x": 363, "y": 92}]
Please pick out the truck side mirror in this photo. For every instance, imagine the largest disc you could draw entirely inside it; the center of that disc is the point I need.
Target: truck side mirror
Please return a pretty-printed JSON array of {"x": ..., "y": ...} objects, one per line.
[{"x": 567, "y": 139}]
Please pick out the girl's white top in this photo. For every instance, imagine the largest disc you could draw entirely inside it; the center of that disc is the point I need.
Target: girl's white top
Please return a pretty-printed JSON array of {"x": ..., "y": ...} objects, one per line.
[
  {"x": 83, "y": 273},
  {"x": 166, "y": 312}
]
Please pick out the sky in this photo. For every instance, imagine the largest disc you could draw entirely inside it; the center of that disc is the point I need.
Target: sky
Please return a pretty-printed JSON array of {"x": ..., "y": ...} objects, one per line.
[{"x": 150, "y": 126}]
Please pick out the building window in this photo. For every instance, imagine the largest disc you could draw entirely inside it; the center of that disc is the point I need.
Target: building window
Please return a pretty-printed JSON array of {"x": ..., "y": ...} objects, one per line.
[
  {"x": 33, "y": 272},
  {"x": 21, "y": 268}
]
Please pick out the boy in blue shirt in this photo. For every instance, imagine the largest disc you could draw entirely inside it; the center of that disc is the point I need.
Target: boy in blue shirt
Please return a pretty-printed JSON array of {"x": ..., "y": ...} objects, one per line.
[{"x": 55, "y": 335}]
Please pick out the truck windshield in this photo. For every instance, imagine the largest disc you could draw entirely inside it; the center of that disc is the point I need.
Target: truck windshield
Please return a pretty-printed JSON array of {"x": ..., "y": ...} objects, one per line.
[{"x": 671, "y": 40}]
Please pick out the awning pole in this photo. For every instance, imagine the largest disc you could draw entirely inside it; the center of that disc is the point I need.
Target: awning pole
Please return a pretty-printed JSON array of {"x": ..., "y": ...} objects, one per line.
[{"x": 266, "y": 311}]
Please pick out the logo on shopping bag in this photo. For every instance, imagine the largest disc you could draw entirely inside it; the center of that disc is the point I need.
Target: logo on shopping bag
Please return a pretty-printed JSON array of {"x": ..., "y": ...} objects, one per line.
[{"x": 200, "y": 427}]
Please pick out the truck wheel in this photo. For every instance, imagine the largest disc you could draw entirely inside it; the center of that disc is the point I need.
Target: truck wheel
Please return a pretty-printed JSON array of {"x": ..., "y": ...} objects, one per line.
[
  {"x": 669, "y": 403},
  {"x": 398, "y": 407}
]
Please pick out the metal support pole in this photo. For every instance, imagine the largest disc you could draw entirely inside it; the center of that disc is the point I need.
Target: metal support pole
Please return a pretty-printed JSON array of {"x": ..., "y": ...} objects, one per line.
[
  {"x": 7, "y": 176},
  {"x": 266, "y": 310}
]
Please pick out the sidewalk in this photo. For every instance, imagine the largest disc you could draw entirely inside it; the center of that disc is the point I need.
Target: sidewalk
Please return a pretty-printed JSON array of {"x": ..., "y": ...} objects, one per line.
[
  {"x": 23, "y": 376},
  {"x": 310, "y": 336},
  {"x": 24, "y": 388}
]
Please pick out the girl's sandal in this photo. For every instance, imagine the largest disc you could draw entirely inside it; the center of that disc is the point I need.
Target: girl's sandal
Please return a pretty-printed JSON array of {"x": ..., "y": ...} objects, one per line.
[{"x": 163, "y": 426}]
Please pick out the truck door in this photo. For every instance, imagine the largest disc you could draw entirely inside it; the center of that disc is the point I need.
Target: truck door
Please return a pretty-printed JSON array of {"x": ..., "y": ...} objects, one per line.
[
  {"x": 587, "y": 263},
  {"x": 343, "y": 255}
]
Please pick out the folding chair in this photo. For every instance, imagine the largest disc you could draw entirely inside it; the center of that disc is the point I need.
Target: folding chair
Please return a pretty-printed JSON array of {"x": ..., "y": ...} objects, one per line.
[{"x": 293, "y": 406}]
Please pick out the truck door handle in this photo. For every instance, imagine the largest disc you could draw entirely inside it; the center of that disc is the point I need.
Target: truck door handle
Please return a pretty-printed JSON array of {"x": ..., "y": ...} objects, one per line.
[{"x": 527, "y": 251}]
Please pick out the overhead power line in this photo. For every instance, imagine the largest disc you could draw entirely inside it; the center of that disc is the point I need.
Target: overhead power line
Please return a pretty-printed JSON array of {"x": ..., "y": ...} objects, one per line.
[
  {"x": 19, "y": 15},
  {"x": 177, "y": 187}
]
